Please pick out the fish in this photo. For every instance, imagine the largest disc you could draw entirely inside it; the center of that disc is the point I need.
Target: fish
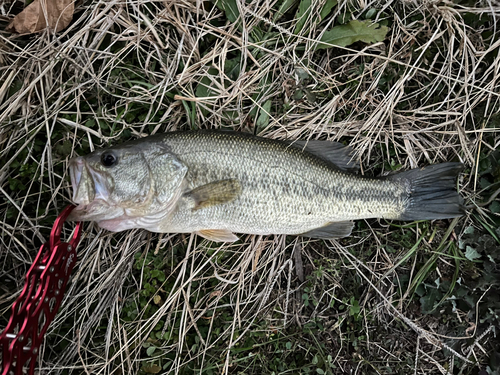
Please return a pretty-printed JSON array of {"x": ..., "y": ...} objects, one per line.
[{"x": 220, "y": 183}]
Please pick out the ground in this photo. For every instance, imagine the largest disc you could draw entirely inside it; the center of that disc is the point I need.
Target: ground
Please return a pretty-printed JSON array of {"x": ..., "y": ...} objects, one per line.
[{"x": 405, "y": 84}]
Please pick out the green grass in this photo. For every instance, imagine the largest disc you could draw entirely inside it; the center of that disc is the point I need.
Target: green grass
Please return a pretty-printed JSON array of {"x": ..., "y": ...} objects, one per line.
[{"x": 417, "y": 87}]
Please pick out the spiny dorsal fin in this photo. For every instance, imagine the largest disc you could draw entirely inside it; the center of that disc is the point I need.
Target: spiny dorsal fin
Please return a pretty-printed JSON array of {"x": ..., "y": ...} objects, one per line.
[
  {"x": 331, "y": 230},
  {"x": 214, "y": 193},
  {"x": 217, "y": 235},
  {"x": 334, "y": 152}
]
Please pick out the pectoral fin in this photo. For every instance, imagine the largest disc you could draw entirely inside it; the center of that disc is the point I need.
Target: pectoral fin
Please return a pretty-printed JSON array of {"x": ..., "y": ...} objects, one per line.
[
  {"x": 217, "y": 235},
  {"x": 331, "y": 230},
  {"x": 214, "y": 193}
]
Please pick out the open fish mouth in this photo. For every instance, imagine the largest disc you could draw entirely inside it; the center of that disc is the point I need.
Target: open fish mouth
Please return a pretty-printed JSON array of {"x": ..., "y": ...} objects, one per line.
[
  {"x": 90, "y": 192},
  {"x": 75, "y": 172},
  {"x": 82, "y": 182}
]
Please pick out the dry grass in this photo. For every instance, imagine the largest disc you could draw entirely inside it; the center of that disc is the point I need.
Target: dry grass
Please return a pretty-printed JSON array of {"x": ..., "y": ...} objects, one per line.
[{"x": 424, "y": 96}]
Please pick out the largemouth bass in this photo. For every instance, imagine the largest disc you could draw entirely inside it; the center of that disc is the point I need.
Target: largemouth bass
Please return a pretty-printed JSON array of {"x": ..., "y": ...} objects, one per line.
[{"x": 216, "y": 184}]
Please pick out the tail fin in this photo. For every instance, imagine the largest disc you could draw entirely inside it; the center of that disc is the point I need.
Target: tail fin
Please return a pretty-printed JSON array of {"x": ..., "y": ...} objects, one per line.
[{"x": 432, "y": 192}]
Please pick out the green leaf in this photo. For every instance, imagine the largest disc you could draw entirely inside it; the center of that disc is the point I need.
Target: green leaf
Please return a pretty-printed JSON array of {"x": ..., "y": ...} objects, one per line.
[
  {"x": 305, "y": 297},
  {"x": 302, "y": 14},
  {"x": 102, "y": 125},
  {"x": 232, "y": 68},
  {"x": 203, "y": 89},
  {"x": 427, "y": 301},
  {"x": 354, "y": 308},
  {"x": 284, "y": 7},
  {"x": 420, "y": 290},
  {"x": 471, "y": 253},
  {"x": 327, "y": 8},
  {"x": 230, "y": 8},
  {"x": 354, "y": 31},
  {"x": 305, "y": 9},
  {"x": 189, "y": 114},
  {"x": 343, "y": 18},
  {"x": 65, "y": 148},
  {"x": 495, "y": 207},
  {"x": 263, "y": 119},
  {"x": 371, "y": 14},
  {"x": 150, "y": 351},
  {"x": 130, "y": 117},
  {"x": 311, "y": 97},
  {"x": 297, "y": 95},
  {"x": 90, "y": 123},
  {"x": 469, "y": 230},
  {"x": 302, "y": 73}
]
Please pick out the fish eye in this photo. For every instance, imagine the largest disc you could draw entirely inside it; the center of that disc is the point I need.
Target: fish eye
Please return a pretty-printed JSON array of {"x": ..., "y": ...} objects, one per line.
[{"x": 108, "y": 159}]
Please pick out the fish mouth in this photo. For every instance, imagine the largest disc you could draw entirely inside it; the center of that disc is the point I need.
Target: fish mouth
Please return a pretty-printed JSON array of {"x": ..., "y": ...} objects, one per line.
[
  {"x": 90, "y": 191},
  {"x": 75, "y": 173}
]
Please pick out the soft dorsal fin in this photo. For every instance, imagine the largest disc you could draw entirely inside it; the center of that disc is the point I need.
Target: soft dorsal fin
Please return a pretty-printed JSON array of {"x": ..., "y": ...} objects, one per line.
[
  {"x": 333, "y": 152},
  {"x": 217, "y": 235},
  {"x": 331, "y": 230},
  {"x": 214, "y": 193}
]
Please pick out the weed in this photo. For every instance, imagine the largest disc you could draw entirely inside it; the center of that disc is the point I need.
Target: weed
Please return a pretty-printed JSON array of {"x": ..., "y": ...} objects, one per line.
[{"x": 406, "y": 84}]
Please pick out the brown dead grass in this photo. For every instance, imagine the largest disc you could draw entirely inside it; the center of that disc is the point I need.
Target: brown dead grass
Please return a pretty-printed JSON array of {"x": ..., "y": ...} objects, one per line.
[{"x": 444, "y": 77}]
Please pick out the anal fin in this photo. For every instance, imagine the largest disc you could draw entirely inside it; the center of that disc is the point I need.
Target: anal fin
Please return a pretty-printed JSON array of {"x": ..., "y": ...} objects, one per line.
[
  {"x": 218, "y": 235},
  {"x": 331, "y": 230}
]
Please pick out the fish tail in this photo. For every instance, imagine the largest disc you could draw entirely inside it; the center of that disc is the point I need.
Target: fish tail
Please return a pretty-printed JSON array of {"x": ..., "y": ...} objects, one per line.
[{"x": 432, "y": 192}]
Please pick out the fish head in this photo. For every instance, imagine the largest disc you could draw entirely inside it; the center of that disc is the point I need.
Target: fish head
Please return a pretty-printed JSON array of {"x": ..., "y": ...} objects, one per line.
[{"x": 119, "y": 187}]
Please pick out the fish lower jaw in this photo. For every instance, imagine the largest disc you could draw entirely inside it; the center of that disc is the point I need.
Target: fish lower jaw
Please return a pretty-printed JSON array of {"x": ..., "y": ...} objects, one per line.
[
  {"x": 94, "y": 211},
  {"x": 76, "y": 214}
]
